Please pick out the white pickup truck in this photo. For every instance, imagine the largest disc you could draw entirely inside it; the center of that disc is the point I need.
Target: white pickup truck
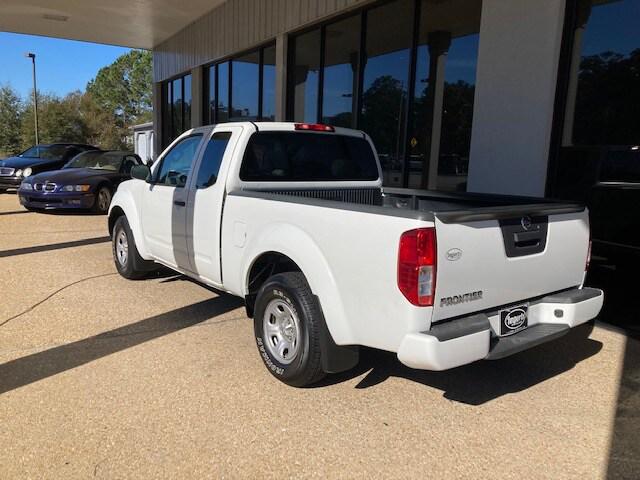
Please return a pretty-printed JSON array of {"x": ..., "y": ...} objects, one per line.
[{"x": 293, "y": 218}]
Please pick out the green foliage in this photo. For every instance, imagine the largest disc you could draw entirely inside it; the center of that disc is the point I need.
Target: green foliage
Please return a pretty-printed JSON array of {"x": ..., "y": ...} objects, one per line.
[
  {"x": 123, "y": 91},
  {"x": 59, "y": 120},
  {"x": 10, "y": 118}
]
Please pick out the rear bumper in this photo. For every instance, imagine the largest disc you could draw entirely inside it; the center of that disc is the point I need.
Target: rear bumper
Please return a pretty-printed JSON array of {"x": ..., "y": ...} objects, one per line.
[{"x": 472, "y": 338}]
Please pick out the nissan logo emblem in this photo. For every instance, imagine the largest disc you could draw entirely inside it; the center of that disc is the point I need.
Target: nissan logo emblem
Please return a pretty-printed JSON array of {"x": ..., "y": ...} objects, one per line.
[{"x": 526, "y": 222}]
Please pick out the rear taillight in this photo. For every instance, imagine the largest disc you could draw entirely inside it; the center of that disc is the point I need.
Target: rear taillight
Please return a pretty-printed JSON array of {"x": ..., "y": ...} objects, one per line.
[
  {"x": 314, "y": 127},
  {"x": 417, "y": 266},
  {"x": 586, "y": 267}
]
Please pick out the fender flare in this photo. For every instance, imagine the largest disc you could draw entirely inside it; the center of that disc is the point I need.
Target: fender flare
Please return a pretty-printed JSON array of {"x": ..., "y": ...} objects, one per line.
[
  {"x": 297, "y": 245},
  {"x": 123, "y": 201}
]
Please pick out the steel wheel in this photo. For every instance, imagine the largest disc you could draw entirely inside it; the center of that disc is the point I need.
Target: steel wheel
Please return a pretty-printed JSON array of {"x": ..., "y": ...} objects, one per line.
[
  {"x": 122, "y": 247},
  {"x": 281, "y": 328}
]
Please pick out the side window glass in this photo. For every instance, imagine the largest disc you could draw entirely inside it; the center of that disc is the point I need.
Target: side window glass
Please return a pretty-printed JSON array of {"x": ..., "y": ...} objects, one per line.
[
  {"x": 176, "y": 164},
  {"x": 212, "y": 158}
]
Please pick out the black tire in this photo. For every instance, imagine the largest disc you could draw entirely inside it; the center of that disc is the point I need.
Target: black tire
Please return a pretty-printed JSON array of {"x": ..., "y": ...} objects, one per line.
[
  {"x": 290, "y": 291},
  {"x": 131, "y": 266},
  {"x": 100, "y": 204}
]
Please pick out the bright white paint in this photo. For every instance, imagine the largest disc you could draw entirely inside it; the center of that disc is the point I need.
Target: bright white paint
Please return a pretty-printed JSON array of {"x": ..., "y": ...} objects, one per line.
[
  {"x": 130, "y": 23},
  {"x": 349, "y": 256},
  {"x": 515, "y": 91}
]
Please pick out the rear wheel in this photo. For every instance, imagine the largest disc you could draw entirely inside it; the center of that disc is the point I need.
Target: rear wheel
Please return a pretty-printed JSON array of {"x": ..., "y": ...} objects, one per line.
[
  {"x": 287, "y": 325},
  {"x": 128, "y": 261},
  {"x": 102, "y": 201}
]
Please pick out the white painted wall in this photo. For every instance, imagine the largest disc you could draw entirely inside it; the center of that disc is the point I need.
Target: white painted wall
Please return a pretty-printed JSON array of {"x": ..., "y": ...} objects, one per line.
[{"x": 515, "y": 91}]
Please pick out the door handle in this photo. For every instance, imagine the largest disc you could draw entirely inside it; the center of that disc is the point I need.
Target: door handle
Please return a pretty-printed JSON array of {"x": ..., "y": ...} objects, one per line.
[{"x": 179, "y": 203}]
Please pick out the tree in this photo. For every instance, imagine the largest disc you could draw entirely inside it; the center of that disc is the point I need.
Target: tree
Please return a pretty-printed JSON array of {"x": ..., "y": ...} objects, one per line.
[
  {"x": 10, "y": 118},
  {"x": 59, "y": 120},
  {"x": 123, "y": 91}
]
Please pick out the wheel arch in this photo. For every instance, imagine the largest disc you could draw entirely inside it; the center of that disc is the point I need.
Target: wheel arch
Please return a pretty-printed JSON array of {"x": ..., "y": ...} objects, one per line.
[{"x": 122, "y": 204}]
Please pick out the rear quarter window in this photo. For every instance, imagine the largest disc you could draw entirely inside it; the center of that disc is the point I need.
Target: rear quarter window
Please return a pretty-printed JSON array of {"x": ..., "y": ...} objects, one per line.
[{"x": 307, "y": 157}]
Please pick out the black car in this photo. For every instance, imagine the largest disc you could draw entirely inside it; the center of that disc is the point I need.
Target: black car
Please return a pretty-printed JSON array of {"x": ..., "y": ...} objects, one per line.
[
  {"x": 36, "y": 159},
  {"x": 87, "y": 182}
]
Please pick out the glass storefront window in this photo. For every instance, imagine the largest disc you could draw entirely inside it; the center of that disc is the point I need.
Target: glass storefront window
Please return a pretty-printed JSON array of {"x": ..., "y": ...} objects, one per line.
[
  {"x": 250, "y": 99},
  {"x": 304, "y": 75},
  {"x": 608, "y": 83},
  {"x": 176, "y": 108},
  {"x": 223, "y": 93},
  {"x": 415, "y": 102},
  {"x": 341, "y": 63},
  {"x": 385, "y": 84},
  {"x": 186, "y": 101},
  {"x": 269, "y": 83},
  {"x": 245, "y": 75},
  {"x": 210, "y": 99}
]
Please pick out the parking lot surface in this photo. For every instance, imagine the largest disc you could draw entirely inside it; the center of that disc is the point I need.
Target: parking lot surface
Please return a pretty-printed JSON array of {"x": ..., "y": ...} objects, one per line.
[{"x": 107, "y": 378}]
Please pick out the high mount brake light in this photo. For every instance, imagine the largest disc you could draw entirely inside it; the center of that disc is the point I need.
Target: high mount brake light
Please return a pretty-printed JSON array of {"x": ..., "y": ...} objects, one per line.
[
  {"x": 417, "y": 266},
  {"x": 314, "y": 127}
]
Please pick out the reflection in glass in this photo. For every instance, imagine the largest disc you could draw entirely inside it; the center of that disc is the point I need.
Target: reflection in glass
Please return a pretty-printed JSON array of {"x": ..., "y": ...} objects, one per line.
[
  {"x": 176, "y": 122},
  {"x": 384, "y": 98},
  {"x": 223, "y": 93},
  {"x": 446, "y": 60},
  {"x": 244, "y": 92},
  {"x": 608, "y": 92},
  {"x": 457, "y": 113},
  {"x": 304, "y": 77},
  {"x": 269, "y": 83},
  {"x": 341, "y": 58},
  {"x": 211, "y": 95},
  {"x": 186, "y": 119}
]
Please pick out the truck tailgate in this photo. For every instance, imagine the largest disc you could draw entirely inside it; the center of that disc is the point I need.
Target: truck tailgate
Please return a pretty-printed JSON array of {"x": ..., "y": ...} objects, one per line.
[{"x": 496, "y": 257}]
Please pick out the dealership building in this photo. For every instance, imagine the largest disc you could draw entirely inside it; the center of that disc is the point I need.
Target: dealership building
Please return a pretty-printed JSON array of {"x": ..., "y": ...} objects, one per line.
[{"x": 478, "y": 95}]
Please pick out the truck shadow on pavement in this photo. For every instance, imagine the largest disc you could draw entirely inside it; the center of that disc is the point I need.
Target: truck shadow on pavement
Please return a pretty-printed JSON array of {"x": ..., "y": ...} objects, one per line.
[
  {"x": 38, "y": 366},
  {"x": 482, "y": 381}
]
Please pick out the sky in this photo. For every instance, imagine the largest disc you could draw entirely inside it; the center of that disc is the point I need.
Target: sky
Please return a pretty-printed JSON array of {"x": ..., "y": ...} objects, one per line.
[{"x": 62, "y": 66}]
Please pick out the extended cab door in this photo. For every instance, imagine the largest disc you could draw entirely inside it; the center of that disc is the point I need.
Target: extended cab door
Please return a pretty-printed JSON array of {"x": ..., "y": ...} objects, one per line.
[
  {"x": 206, "y": 201},
  {"x": 164, "y": 203}
]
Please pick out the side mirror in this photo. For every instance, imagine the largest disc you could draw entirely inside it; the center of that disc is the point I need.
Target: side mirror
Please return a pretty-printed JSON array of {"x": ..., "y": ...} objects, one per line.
[{"x": 141, "y": 172}]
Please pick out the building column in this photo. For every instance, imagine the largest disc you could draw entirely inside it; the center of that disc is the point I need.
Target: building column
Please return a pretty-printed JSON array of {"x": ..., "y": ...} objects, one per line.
[
  {"x": 583, "y": 13},
  {"x": 439, "y": 43},
  {"x": 197, "y": 97},
  {"x": 515, "y": 94},
  {"x": 281, "y": 78},
  {"x": 158, "y": 128}
]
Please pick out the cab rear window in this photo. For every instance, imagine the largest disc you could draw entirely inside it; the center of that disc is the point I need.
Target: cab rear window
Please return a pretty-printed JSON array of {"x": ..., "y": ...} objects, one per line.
[{"x": 307, "y": 157}]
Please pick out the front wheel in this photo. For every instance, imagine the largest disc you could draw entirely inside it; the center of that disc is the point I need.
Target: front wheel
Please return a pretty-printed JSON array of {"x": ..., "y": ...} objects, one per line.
[
  {"x": 102, "y": 201},
  {"x": 128, "y": 261},
  {"x": 287, "y": 325}
]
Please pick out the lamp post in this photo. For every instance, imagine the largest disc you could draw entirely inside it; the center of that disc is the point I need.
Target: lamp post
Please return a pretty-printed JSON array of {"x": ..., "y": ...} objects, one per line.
[{"x": 32, "y": 56}]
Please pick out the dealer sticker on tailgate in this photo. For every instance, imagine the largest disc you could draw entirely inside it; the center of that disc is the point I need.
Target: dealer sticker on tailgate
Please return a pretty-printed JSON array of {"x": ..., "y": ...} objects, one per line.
[{"x": 513, "y": 320}]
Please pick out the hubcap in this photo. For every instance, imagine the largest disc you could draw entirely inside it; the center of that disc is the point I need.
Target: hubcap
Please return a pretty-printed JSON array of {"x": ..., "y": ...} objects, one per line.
[
  {"x": 122, "y": 247},
  {"x": 281, "y": 331},
  {"x": 104, "y": 199}
]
